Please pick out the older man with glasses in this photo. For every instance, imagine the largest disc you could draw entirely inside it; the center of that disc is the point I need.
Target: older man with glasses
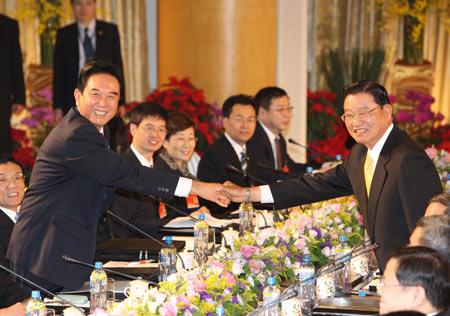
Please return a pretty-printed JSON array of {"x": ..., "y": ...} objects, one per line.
[{"x": 391, "y": 176}]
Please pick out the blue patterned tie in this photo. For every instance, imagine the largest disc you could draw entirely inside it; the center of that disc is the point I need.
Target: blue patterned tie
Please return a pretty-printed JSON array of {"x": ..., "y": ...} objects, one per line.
[{"x": 87, "y": 46}]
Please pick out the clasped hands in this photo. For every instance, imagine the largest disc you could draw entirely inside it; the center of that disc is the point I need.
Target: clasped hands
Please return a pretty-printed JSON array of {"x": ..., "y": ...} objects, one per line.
[{"x": 221, "y": 194}]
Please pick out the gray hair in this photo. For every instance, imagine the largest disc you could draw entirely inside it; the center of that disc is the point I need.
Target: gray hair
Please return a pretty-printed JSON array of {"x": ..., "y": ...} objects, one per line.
[
  {"x": 436, "y": 234},
  {"x": 444, "y": 199}
]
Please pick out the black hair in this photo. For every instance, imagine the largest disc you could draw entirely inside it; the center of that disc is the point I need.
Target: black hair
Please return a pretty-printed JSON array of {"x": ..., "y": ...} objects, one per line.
[
  {"x": 378, "y": 92},
  {"x": 230, "y": 102},
  {"x": 97, "y": 67},
  {"x": 147, "y": 109},
  {"x": 178, "y": 122},
  {"x": 422, "y": 266},
  {"x": 264, "y": 97}
]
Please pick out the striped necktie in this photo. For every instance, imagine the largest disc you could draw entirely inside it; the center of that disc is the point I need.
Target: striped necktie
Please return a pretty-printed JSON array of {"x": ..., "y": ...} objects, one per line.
[
  {"x": 369, "y": 169},
  {"x": 244, "y": 160},
  {"x": 87, "y": 46}
]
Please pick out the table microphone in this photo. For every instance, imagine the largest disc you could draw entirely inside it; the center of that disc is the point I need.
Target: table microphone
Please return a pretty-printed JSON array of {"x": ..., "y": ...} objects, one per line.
[
  {"x": 177, "y": 210},
  {"x": 68, "y": 259},
  {"x": 312, "y": 151},
  {"x": 37, "y": 286},
  {"x": 292, "y": 174},
  {"x": 233, "y": 168},
  {"x": 140, "y": 231}
]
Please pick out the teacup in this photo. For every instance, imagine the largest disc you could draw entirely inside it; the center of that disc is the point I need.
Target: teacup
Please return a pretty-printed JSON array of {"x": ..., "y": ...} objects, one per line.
[{"x": 136, "y": 290}]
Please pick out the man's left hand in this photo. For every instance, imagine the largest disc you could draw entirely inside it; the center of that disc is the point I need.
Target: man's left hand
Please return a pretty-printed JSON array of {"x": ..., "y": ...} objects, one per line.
[{"x": 211, "y": 191}]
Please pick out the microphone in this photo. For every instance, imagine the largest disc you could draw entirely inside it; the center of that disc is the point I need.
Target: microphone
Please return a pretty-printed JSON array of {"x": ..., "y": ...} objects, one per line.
[
  {"x": 312, "y": 151},
  {"x": 261, "y": 165},
  {"x": 37, "y": 286},
  {"x": 140, "y": 231},
  {"x": 183, "y": 213},
  {"x": 68, "y": 259},
  {"x": 246, "y": 174}
]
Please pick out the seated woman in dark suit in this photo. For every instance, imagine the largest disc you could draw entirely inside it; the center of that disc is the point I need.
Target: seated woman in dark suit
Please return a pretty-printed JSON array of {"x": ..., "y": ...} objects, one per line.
[{"x": 177, "y": 150}]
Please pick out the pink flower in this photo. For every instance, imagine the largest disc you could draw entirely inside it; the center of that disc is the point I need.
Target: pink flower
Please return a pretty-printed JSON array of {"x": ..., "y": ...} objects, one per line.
[
  {"x": 216, "y": 265},
  {"x": 183, "y": 301},
  {"x": 230, "y": 278},
  {"x": 169, "y": 309},
  {"x": 300, "y": 243},
  {"x": 197, "y": 284},
  {"x": 431, "y": 152},
  {"x": 255, "y": 266},
  {"x": 360, "y": 219},
  {"x": 248, "y": 251}
]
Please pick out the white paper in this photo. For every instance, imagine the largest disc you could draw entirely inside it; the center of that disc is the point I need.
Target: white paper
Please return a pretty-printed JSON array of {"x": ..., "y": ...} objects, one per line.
[{"x": 188, "y": 222}]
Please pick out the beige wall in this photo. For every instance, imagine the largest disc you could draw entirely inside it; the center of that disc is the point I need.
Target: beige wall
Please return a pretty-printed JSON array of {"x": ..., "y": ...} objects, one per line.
[{"x": 213, "y": 42}]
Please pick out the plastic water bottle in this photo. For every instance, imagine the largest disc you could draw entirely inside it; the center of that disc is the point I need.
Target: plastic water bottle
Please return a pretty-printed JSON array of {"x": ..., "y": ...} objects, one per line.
[
  {"x": 220, "y": 311},
  {"x": 342, "y": 278},
  {"x": 246, "y": 217},
  {"x": 201, "y": 230},
  {"x": 271, "y": 294},
  {"x": 167, "y": 259},
  {"x": 306, "y": 289},
  {"x": 36, "y": 306},
  {"x": 98, "y": 288}
]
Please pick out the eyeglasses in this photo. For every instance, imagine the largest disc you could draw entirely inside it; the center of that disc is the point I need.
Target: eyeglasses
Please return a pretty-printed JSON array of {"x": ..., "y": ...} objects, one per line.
[
  {"x": 288, "y": 109},
  {"x": 242, "y": 120},
  {"x": 383, "y": 283},
  {"x": 154, "y": 130},
  {"x": 17, "y": 178},
  {"x": 348, "y": 117}
]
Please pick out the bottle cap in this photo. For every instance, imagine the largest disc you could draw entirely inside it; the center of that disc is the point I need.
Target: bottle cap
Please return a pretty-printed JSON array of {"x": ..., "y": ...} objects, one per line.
[
  {"x": 338, "y": 157},
  {"x": 36, "y": 295},
  {"x": 306, "y": 259},
  {"x": 309, "y": 169},
  {"x": 98, "y": 265},
  {"x": 168, "y": 240},
  {"x": 361, "y": 293},
  {"x": 271, "y": 280},
  {"x": 201, "y": 216},
  {"x": 220, "y": 310},
  {"x": 343, "y": 238}
]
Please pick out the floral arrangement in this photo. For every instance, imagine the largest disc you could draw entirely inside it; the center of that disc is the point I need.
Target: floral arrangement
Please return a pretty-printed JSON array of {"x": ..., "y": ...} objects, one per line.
[
  {"x": 183, "y": 96},
  {"x": 441, "y": 160},
  {"x": 23, "y": 151},
  {"x": 234, "y": 278},
  {"x": 422, "y": 123},
  {"x": 326, "y": 131},
  {"x": 414, "y": 15}
]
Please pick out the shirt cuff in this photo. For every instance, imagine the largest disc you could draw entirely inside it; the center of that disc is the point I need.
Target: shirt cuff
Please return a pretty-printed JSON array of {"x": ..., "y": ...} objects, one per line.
[
  {"x": 183, "y": 188},
  {"x": 266, "y": 194}
]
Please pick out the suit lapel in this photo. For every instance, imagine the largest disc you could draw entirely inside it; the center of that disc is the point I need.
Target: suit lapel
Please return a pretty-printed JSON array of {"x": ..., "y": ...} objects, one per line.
[
  {"x": 229, "y": 152},
  {"x": 73, "y": 45},
  {"x": 268, "y": 152},
  {"x": 99, "y": 38}
]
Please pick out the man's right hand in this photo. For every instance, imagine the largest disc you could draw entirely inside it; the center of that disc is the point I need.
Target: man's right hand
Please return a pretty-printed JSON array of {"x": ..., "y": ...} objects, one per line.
[
  {"x": 58, "y": 115},
  {"x": 17, "y": 309}
]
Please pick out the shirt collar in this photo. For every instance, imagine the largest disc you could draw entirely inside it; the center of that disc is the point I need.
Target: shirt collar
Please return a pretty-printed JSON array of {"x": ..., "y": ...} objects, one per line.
[
  {"x": 237, "y": 148},
  {"x": 376, "y": 150},
  {"x": 10, "y": 213},
  {"x": 144, "y": 161},
  {"x": 269, "y": 133},
  {"x": 90, "y": 27}
]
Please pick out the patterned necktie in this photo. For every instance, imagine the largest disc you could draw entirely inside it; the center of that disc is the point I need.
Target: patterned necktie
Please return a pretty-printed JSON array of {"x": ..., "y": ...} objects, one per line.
[
  {"x": 87, "y": 46},
  {"x": 243, "y": 160},
  {"x": 368, "y": 172},
  {"x": 279, "y": 161}
]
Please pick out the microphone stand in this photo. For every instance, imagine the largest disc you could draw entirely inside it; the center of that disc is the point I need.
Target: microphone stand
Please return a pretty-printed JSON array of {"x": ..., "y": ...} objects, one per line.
[
  {"x": 68, "y": 259},
  {"x": 128, "y": 224},
  {"x": 312, "y": 151},
  {"x": 37, "y": 286},
  {"x": 177, "y": 210}
]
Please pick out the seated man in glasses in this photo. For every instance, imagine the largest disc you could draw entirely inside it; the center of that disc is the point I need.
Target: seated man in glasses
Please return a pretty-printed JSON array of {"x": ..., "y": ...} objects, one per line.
[
  {"x": 416, "y": 279},
  {"x": 12, "y": 189}
]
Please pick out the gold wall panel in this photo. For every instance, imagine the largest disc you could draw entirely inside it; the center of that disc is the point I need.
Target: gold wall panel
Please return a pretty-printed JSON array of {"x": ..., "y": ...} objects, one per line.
[{"x": 224, "y": 46}]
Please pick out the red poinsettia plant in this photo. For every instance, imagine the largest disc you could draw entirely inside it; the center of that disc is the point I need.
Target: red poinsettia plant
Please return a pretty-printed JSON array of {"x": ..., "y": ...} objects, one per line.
[
  {"x": 23, "y": 150},
  {"x": 326, "y": 131}
]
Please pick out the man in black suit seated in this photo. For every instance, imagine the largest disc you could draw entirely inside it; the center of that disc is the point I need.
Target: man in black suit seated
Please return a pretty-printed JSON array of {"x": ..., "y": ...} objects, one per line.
[
  {"x": 12, "y": 189},
  {"x": 268, "y": 142},
  {"x": 76, "y": 44},
  {"x": 239, "y": 121},
  {"x": 12, "y": 86},
  {"x": 73, "y": 183},
  {"x": 416, "y": 279},
  {"x": 390, "y": 175},
  {"x": 148, "y": 126}
]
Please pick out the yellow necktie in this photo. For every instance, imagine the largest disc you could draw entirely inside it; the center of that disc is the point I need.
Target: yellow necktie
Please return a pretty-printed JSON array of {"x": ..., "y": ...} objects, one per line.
[{"x": 368, "y": 172}]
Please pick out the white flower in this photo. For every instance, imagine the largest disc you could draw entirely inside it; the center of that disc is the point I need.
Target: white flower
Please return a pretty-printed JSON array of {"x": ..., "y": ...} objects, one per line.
[{"x": 250, "y": 280}]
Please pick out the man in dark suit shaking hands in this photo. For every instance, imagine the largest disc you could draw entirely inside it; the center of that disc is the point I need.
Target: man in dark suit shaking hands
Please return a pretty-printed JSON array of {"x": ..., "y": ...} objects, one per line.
[
  {"x": 391, "y": 176},
  {"x": 73, "y": 182}
]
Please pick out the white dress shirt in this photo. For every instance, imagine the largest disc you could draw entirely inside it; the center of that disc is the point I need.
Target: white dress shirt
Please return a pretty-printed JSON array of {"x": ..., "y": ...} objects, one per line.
[{"x": 10, "y": 213}]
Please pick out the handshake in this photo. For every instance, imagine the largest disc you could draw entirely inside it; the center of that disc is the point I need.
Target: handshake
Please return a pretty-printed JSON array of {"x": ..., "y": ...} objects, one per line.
[{"x": 225, "y": 193}]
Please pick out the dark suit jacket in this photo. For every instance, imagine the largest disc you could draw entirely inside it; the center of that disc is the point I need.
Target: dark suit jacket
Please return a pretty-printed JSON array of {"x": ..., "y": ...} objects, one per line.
[
  {"x": 12, "y": 87},
  {"x": 71, "y": 185},
  {"x": 66, "y": 60},
  {"x": 404, "y": 181},
  {"x": 261, "y": 148},
  {"x": 10, "y": 292},
  {"x": 213, "y": 168},
  {"x": 139, "y": 209}
]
